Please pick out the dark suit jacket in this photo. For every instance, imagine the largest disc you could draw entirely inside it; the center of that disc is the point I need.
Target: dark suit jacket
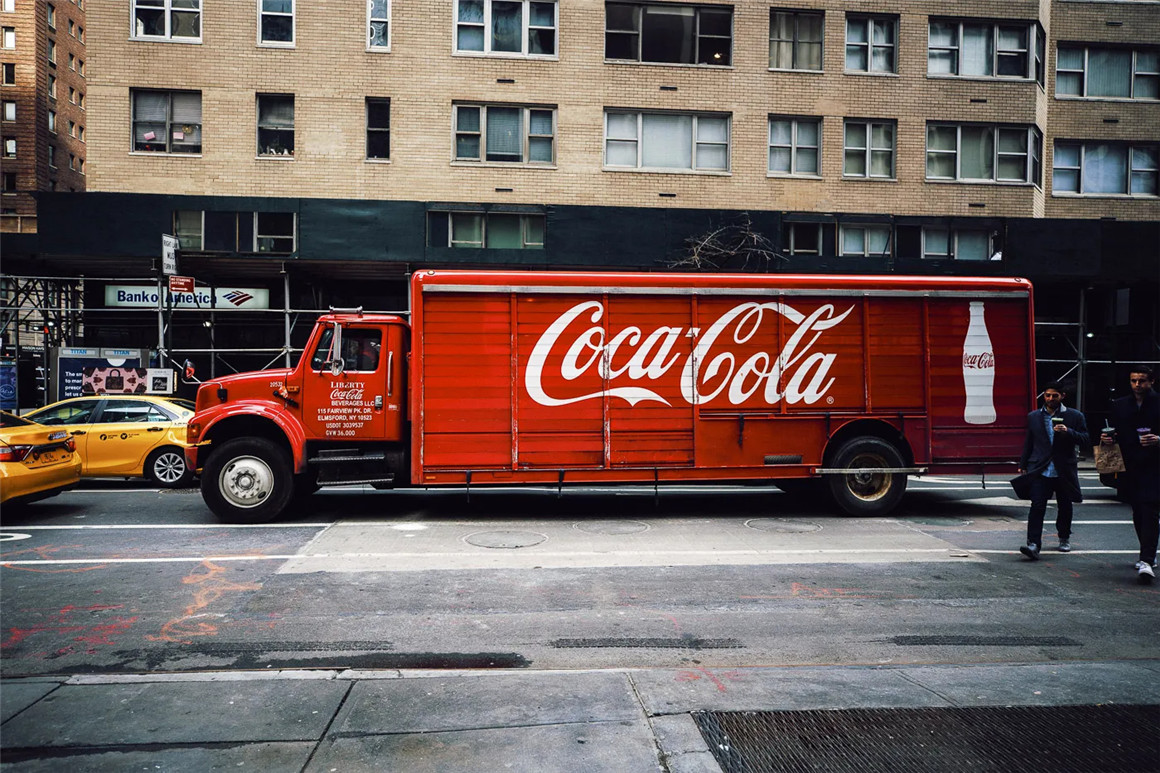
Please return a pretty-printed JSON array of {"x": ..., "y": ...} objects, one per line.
[
  {"x": 1143, "y": 464},
  {"x": 1039, "y": 450}
]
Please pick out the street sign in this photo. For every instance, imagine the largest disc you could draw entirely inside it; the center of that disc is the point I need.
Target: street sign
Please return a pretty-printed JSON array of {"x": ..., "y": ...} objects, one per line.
[
  {"x": 180, "y": 284},
  {"x": 168, "y": 254}
]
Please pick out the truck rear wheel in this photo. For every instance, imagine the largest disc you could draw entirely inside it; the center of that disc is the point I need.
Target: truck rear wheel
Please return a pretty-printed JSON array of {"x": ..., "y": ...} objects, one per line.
[
  {"x": 868, "y": 493},
  {"x": 247, "y": 480}
]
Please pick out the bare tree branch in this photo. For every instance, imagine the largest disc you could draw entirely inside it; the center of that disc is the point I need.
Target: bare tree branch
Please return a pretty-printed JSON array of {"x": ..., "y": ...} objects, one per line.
[{"x": 732, "y": 245}]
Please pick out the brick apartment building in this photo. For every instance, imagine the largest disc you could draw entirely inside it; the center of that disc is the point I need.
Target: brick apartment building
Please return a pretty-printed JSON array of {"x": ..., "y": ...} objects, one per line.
[
  {"x": 43, "y": 89},
  {"x": 321, "y": 151}
]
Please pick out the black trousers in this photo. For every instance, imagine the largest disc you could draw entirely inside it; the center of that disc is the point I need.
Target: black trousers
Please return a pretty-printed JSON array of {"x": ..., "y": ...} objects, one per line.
[
  {"x": 1146, "y": 519},
  {"x": 1042, "y": 489}
]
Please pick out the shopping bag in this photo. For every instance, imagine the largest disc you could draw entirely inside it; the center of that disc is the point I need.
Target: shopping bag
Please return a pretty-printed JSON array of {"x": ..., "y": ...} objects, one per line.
[
  {"x": 1108, "y": 458},
  {"x": 1022, "y": 484}
]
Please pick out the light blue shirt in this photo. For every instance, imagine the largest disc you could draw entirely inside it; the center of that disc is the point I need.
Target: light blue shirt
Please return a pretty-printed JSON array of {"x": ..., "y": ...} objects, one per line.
[{"x": 1050, "y": 471}]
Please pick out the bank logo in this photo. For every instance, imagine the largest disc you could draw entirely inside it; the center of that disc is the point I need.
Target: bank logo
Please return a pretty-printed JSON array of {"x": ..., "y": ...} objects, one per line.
[{"x": 238, "y": 297}]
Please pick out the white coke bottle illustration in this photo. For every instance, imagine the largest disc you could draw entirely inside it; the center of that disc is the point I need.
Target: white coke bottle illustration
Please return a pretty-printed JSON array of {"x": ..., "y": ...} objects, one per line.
[{"x": 978, "y": 369}]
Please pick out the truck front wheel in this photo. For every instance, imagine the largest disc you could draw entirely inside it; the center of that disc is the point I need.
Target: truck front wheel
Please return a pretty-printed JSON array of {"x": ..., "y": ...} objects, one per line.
[
  {"x": 247, "y": 480},
  {"x": 869, "y": 492}
]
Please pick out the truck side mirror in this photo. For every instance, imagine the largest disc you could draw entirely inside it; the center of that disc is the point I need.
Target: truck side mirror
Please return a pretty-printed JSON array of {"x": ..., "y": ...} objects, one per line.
[{"x": 334, "y": 357}]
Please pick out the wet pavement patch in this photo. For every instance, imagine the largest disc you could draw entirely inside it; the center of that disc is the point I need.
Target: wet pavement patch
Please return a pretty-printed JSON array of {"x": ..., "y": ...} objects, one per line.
[
  {"x": 681, "y": 643},
  {"x": 984, "y": 641},
  {"x": 1061, "y": 739},
  {"x": 783, "y": 525},
  {"x": 611, "y": 527}
]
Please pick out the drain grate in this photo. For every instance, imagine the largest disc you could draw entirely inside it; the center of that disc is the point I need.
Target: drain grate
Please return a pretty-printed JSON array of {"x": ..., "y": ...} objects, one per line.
[{"x": 1026, "y": 739}]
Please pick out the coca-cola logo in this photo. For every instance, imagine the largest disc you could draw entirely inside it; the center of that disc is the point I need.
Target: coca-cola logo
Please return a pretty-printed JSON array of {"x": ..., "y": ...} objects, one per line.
[
  {"x": 347, "y": 393},
  {"x": 979, "y": 360},
  {"x": 796, "y": 373}
]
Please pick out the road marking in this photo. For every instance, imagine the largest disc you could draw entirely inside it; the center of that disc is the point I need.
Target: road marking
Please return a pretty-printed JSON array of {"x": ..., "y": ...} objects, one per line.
[{"x": 179, "y": 526}]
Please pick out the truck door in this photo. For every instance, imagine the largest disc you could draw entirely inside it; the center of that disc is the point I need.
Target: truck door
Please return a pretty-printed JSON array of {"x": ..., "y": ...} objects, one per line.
[{"x": 351, "y": 390}]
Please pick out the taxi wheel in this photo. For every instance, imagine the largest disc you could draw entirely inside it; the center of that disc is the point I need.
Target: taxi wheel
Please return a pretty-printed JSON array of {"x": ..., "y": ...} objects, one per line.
[{"x": 166, "y": 467}]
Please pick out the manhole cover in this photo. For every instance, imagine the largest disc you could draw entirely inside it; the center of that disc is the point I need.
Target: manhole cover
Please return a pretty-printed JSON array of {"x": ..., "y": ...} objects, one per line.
[
  {"x": 940, "y": 521},
  {"x": 505, "y": 539},
  {"x": 611, "y": 527},
  {"x": 782, "y": 525}
]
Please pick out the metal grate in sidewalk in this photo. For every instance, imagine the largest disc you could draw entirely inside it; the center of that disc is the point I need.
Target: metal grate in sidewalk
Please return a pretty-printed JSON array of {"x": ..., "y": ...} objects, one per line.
[{"x": 1027, "y": 739}]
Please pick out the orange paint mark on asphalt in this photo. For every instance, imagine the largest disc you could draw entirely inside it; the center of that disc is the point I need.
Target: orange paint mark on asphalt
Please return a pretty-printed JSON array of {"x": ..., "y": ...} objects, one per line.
[
  {"x": 183, "y": 629},
  {"x": 45, "y": 552},
  {"x": 61, "y": 623}
]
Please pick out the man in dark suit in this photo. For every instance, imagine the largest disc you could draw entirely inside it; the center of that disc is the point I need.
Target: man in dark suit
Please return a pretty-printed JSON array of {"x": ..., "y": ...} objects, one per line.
[
  {"x": 1054, "y": 433},
  {"x": 1136, "y": 419}
]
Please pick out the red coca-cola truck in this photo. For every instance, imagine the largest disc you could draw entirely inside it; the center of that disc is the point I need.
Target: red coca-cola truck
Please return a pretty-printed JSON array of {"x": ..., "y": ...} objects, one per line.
[{"x": 844, "y": 383}]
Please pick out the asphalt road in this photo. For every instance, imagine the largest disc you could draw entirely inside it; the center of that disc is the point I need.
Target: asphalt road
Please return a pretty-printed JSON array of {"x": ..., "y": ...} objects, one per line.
[{"x": 118, "y": 578}]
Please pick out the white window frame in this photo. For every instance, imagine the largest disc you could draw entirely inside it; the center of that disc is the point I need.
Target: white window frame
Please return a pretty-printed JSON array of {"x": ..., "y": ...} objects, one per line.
[
  {"x": 481, "y": 133},
  {"x": 167, "y": 8},
  {"x": 293, "y": 129},
  {"x": 866, "y": 229},
  {"x": 796, "y": 43},
  {"x": 9, "y": 108},
  {"x": 795, "y": 146},
  {"x": 790, "y": 230},
  {"x": 526, "y": 28},
  {"x": 953, "y": 236},
  {"x": 1131, "y": 170},
  {"x": 281, "y": 14},
  {"x": 52, "y": 121},
  {"x": 639, "y": 141},
  {"x": 639, "y": 9},
  {"x": 372, "y": 20},
  {"x": 994, "y": 28},
  {"x": 8, "y": 37},
  {"x": 869, "y": 149},
  {"x": 170, "y": 124},
  {"x": 52, "y": 156},
  {"x": 1135, "y": 76},
  {"x": 9, "y": 6},
  {"x": 50, "y": 15},
  {"x": 869, "y": 46},
  {"x": 9, "y": 147},
  {"x": 52, "y": 52},
  {"x": 179, "y": 233},
  {"x": 293, "y": 237},
  {"x": 1031, "y": 157},
  {"x": 52, "y": 86},
  {"x": 526, "y": 241}
]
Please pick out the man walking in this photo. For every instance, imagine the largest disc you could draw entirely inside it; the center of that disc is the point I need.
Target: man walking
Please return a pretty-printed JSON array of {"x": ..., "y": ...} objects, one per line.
[
  {"x": 1054, "y": 433},
  {"x": 1136, "y": 419}
]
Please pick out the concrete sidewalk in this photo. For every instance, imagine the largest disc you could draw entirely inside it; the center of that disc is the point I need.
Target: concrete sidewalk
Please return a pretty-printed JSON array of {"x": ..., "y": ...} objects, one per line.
[{"x": 570, "y": 721}]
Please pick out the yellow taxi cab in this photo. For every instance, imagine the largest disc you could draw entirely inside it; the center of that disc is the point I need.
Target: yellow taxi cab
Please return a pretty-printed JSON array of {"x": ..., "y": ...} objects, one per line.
[
  {"x": 36, "y": 462},
  {"x": 126, "y": 435}
]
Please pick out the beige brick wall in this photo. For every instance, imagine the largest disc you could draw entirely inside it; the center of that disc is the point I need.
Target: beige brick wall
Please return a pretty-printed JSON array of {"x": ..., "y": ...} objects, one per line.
[{"x": 330, "y": 73}]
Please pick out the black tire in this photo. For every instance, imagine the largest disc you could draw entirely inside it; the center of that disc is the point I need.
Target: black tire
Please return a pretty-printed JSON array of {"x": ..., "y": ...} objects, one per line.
[
  {"x": 166, "y": 468},
  {"x": 248, "y": 480},
  {"x": 874, "y": 493}
]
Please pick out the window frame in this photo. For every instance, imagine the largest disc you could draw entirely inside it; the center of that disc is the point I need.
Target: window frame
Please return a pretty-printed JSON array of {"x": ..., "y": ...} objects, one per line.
[
  {"x": 795, "y": 146},
  {"x": 526, "y": 138},
  {"x": 260, "y": 127},
  {"x": 377, "y": 129},
  {"x": 953, "y": 236},
  {"x": 866, "y": 229},
  {"x": 178, "y": 230},
  {"x": 8, "y": 38},
  {"x": 796, "y": 42},
  {"x": 257, "y": 235},
  {"x": 170, "y": 123},
  {"x": 1130, "y": 170},
  {"x": 293, "y": 14},
  {"x": 1030, "y": 54},
  {"x": 790, "y": 230},
  {"x": 526, "y": 231},
  {"x": 638, "y": 12},
  {"x": 371, "y": 21},
  {"x": 9, "y": 142},
  {"x": 9, "y": 75},
  {"x": 870, "y": 19},
  {"x": 695, "y": 142},
  {"x": 8, "y": 110},
  {"x": 1134, "y": 75},
  {"x": 1032, "y": 165},
  {"x": 868, "y": 149},
  {"x": 168, "y": 11},
  {"x": 526, "y": 30}
]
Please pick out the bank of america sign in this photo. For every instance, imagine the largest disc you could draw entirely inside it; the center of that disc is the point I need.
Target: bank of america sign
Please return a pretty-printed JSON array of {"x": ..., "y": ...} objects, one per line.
[{"x": 147, "y": 297}]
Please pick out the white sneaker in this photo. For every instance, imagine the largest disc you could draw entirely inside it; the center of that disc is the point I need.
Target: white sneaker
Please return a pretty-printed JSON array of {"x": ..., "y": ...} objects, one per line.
[{"x": 1144, "y": 573}]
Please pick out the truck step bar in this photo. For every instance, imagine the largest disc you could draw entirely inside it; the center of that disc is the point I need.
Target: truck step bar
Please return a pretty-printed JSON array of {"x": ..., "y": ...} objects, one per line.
[
  {"x": 331, "y": 457},
  {"x": 357, "y": 482},
  {"x": 874, "y": 470}
]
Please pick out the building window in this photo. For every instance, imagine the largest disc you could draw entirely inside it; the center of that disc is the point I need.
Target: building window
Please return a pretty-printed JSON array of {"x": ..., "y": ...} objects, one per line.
[
  {"x": 72, "y": 28},
  {"x": 189, "y": 228},
  {"x": 276, "y": 22},
  {"x": 80, "y": 99},
  {"x": 52, "y": 121},
  {"x": 795, "y": 40},
  {"x": 52, "y": 86},
  {"x": 275, "y": 124},
  {"x": 72, "y": 128},
  {"x": 72, "y": 62},
  {"x": 9, "y": 111},
  {"x": 81, "y": 34},
  {"x": 166, "y": 121},
  {"x": 52, "y": 52},
  {"x": 10, "y": 74},
  {"x": 9, "y": 147},
  {"x": 9, "y": 6},
  {"x": 865, "y": 241},
  {"x": 804, "y": 238},
  {"x": 72, "y": 162},
  {"x": 9, "y": 37},
  {"x": 379, "y": 25},
  {"x": 506, "y": 27},
  {"x": 871, "y": 44},
  {"x": 869, "y": 149},
  {"x": 957, "y": 244},
  {"x": 81, "y": 133},
  {"x": 50, "y": 14},
  {"x": 378, "y": 128},
  {"x": 794, "y": 146},
  {"x": 1104, "y": 168},
  {"x": 486, "y": 230},
  {"x": 1107, "y": 72},
  {"x": 669, "y": 34},
  {"x": 505, "y": 134},
  {"x": 52, "y": 156},
  {"x": 274, "y": 232},
  {"x": 166, "y": 19},
  {"x": 81, "y": 67},
  {"x": 666, "y": 141},
  {"x": 987, "y": 153},
  {"x": 9, "y": 181},
  {"x": 982, "y": 49}
]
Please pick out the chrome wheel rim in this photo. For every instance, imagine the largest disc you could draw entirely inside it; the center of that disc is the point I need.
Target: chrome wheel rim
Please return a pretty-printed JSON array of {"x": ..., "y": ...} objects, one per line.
[
  {"x": 246, "y": 481},
  {"x": 169, "y": 467}
]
